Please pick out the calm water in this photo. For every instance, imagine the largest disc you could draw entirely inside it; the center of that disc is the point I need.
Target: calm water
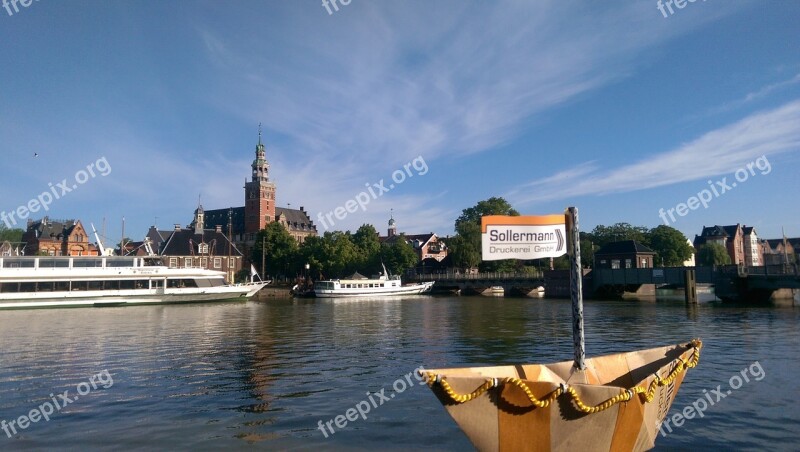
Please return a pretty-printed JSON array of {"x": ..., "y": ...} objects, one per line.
[{"x": 260, "y": 375}]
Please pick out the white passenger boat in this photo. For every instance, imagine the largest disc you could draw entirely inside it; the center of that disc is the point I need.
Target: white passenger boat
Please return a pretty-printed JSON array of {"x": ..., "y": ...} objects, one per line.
[
  {"x": 27, "y": 282},
  {"x": 361, "y": 286}
]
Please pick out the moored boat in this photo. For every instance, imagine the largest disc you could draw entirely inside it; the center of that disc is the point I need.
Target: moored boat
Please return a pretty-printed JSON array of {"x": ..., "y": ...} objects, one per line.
[
  {"x": 358, "y": 285},
  {"x": 30, "y": 282}
]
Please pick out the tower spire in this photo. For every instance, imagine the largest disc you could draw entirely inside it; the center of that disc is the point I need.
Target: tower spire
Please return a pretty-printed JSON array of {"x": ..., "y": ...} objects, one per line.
[{"x": 259, "y": 133}]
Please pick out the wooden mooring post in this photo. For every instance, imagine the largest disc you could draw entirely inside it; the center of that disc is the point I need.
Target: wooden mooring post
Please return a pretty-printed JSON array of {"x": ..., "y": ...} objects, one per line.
[{"x": 690, "y": 280}]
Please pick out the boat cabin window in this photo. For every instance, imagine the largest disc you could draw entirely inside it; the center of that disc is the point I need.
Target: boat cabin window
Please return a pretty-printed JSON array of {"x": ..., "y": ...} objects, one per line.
[
  {"x": 53, "y": 263},
  {"x": 181, "y": 283},
  {"x": 119, "y": 263},
  {"x": 87, "y": 262},
  {"x": 18, "y": 263},
  {"x": 9, "y": 287}
]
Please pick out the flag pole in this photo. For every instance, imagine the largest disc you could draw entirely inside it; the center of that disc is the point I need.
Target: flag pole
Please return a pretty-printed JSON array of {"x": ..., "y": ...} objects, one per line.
[{"x": 576, "y": 287}]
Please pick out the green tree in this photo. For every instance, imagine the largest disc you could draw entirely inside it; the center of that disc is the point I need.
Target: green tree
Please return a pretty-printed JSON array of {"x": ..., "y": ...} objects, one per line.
[
  {"x": 468, "y": 234},
  {"x": 587, "y": 250},
  {"x": 670, "y": 245},
  {"x": 712, "y": 254},
  {"x": 603, "y": 235},
  {"x": 10, "y": 234},
  {"x": 369, "y": 249},
  {"x": 463, "y": 252},
  {"x": 280, "y": 250},
  {"x": 399, "y": 256}
]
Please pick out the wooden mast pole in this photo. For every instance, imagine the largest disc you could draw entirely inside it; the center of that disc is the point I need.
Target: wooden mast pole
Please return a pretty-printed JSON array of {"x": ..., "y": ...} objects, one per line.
[{"x": 576, "y": 286}]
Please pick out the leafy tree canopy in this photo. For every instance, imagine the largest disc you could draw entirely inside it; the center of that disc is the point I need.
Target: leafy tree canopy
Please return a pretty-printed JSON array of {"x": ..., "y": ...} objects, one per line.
[
  {"x": 671, "y": 246},
  {"x": 712, "y": 254}
]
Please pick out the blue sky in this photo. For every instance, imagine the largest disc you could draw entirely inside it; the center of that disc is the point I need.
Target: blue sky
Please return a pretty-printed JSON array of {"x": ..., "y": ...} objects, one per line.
[{"x": 608, "y": 106}]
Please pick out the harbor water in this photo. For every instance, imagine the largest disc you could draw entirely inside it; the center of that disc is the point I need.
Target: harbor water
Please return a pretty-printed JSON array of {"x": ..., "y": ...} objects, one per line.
[{"x": 270, "y": 375}]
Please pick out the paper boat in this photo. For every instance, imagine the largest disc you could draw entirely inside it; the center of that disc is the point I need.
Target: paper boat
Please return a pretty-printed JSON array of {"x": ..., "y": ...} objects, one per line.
[{"x": 617, "y": 403}]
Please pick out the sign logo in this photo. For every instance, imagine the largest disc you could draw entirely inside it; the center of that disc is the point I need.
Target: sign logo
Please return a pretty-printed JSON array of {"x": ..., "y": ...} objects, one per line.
[{"x": 523, "y": 237}]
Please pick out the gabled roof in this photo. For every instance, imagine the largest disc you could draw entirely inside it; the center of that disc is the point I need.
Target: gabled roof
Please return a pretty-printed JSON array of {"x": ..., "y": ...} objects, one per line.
[
  {"x": 51, "y": 229},
  {"x": 296, "y": 220},
  {"x": 184, "y": 243},
  {"x": 775, "y": 243},
  {"x": 624, "y": 247},
  {"x": 219, "y": 217},
  {"x": 423, "y": 238}
]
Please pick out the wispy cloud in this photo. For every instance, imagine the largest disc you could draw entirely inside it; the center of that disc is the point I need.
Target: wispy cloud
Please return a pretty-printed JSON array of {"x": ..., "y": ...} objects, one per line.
[
  {"x": 383, "y": 84},
  {"x": 748, "y": 98},
  {"x": 717, "y": 152}
]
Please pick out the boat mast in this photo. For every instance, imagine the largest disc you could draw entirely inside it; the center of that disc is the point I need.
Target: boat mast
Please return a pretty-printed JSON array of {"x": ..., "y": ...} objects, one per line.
[
  {"x": 576, "y": 286},
  {"x": 100, "y": 246}
]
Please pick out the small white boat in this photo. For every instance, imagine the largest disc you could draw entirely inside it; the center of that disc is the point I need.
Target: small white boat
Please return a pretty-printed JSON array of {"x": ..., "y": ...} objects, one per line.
[
  {"x": 358, "y": 285},
  {"x": 33, "y": 282}
]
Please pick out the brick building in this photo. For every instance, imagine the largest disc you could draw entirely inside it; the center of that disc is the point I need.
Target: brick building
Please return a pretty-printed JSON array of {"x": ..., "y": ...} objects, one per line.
[
  {"x": 741, "y": 242},
  {"x": 57, "y": 238}
]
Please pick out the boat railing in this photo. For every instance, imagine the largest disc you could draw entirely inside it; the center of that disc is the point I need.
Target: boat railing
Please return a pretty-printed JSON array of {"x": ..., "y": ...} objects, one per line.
[{"x": 37, "y": 262}]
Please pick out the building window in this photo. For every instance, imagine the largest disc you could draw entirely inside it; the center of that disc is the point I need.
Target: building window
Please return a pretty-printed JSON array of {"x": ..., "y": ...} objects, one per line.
[
  {"x": 217, "y": 262},
  {"x": 627, "y": 263},
  {"x": 202, "y": 248},
  {"x": 204, "y": 262},
  {"x": 187, "y": 262},
  {"x": 615, "y": 263},
  {"x": 173, "y": 262}
]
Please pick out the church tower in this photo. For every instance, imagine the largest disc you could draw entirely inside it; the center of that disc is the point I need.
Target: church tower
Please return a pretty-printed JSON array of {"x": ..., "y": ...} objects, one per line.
[{"x": 259, "y": 194}]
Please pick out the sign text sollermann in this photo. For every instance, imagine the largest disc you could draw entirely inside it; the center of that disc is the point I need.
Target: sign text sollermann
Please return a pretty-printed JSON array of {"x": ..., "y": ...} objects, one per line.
[{"x": 522, "y": 237}]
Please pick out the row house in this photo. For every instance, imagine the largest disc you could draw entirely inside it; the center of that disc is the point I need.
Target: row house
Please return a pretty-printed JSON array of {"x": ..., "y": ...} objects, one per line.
[
  {"x": 781, "y": 251},
  {"x": 195, "y": 247},
  {"x": 741, "y": 242},
  {"x": 427, "y": 246}
]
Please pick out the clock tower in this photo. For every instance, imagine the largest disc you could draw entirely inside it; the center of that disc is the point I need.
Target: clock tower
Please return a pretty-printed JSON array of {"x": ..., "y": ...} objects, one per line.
[{"x": 259, "y": 194}]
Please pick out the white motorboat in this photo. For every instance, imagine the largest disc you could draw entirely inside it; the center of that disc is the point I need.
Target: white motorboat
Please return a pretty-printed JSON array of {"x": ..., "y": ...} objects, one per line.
[{"x": 360, "y": 286}]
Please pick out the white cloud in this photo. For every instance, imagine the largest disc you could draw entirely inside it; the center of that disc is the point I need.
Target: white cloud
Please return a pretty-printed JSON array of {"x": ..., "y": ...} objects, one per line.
[{"x": 717, "y": 152}]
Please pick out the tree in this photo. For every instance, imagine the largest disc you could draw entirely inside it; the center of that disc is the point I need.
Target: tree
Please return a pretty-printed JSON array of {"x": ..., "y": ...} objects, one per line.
[
  {"x": 463, "y": 252},
  {"x": 13, "y": 235},
  {"x": 587, "y": 250},
  {"x": 491, "y": 206},
  {"x": 399, "y": 256},
  {"x": 280, "y": 250},
  {"x": 603, "y": 235},
  {"x": 468, "y": 234},
  {"x": 712, "y": 254},
  {"x": 369, "y": 248},
  {"x": 670, "y": 245}
]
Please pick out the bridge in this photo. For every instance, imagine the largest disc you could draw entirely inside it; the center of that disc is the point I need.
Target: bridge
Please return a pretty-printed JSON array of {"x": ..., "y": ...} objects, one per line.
[
  {"x": 476, "y": 283},
  {"x": 731, "y": 282}
]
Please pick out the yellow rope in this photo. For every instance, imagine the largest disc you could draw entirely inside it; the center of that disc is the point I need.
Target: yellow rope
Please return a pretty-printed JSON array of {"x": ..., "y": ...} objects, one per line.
[{"x": 624, "y": 396}]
